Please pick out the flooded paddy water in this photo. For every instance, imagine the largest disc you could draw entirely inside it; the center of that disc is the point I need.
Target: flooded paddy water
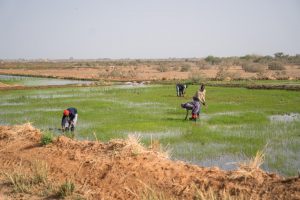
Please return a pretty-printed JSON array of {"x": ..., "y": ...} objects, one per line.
[
  {"x": 234, "y": 125},
  {"x": 36, "y": 81}
]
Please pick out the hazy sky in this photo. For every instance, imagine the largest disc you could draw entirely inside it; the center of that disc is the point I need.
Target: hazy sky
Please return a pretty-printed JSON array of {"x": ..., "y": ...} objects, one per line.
[{"x": 147, "y": 28}]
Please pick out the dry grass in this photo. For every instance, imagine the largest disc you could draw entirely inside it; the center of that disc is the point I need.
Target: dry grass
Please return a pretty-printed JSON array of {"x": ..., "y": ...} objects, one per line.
[
  {"x": 25, "y": 181},
  {"x": 250, "y": 169},
  {"x": 203, "y": 193},
  {"x": 255, "y": 162},
  {"x": 224, "y": 195},
  {"x": 156, "y": 146},
  {"x": 40, "y": 172},
  {"x": 135, "y": 147},
  {"x": 149, "y": 193},
  {"x": 66, "y": 189},
  {"x": 19, "y": 181}
]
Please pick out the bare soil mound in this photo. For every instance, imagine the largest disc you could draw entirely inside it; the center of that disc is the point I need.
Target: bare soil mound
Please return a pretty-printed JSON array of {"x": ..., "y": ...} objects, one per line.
[{"x": 120, "y": 169}]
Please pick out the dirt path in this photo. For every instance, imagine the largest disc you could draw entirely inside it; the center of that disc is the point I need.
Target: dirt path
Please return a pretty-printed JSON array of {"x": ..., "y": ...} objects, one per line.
[{"x": 122, "y": 169}]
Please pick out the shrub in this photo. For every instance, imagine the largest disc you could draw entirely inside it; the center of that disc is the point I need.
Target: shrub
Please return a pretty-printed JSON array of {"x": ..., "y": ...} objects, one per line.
[
  {"x": 276, "y": 66},
  {"x": 212, "y": 60},
  {"x": 197, "y": 77},
  {"x": 185, "y": 68},
  {"x": 115, "y": 73},
  {"x": 281, "y": 75},
  {"x": 224, "y": 74},
  {"x": 253, "y": 67},
  {"x": 20, "y": 181},
  {"x": 66, "y": 189},
  {"x": 162, "y": 68},
  {"x": 47, "y": 138},
  {"x": 279, "y": 55},
  {"x": 175, "y": 68}
]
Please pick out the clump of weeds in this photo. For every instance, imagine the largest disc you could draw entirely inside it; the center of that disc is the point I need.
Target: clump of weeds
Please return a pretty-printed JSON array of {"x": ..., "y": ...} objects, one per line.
[
  {"x": 24, "y": 182},
  {"x": 47, "y": 138},
  {"x": 66, "y": 189}
]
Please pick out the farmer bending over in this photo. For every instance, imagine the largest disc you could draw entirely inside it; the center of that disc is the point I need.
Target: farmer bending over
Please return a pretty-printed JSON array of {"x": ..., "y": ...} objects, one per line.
[
  {"x": 69, "y": 119},
  {"x": 195, "y": 105},
  {"x": 180, "y": 89}
]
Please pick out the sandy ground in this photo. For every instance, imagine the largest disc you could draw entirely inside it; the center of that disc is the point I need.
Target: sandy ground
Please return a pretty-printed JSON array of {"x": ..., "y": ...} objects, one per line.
[
  {"x": 144, "y": 73},
  {"x": 123, "y": 169}
]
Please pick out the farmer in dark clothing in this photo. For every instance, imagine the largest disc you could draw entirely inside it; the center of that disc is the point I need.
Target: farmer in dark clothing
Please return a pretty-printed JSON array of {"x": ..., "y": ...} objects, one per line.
[
  {"x": 180, "y": 89},
  {"x": 69, "y": 119}
]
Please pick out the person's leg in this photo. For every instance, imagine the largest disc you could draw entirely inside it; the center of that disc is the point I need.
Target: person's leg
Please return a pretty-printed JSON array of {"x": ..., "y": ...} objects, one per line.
[
  {"x": 195, "y": 110},
  {"x": 65, "y": 124},
  {"x": 177, "y": 90},
  {"x": 74, "y": 122},
  {"x": 199, "y": 111}
]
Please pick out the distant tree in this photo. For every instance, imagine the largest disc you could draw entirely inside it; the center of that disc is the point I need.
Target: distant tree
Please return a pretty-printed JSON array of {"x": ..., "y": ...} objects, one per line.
[
  {"x": 246, "y": 57},
  {"x": 276, "y": 66},
  {"x": 279, "y": 55},
  {"x": 212, "y": 60}
]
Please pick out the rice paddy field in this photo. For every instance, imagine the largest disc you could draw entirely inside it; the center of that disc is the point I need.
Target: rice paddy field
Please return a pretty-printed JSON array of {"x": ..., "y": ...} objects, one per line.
[
  {"x": 35, "y": 81},
  {"x": 233, "y": 126}
]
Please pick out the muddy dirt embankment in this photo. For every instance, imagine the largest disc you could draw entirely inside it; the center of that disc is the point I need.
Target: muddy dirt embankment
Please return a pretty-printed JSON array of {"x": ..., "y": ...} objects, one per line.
[{"x": 121, "y": 169}]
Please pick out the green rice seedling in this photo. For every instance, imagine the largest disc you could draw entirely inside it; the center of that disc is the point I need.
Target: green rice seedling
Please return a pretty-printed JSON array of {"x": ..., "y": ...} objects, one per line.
[{"x": 235, "y": 121}]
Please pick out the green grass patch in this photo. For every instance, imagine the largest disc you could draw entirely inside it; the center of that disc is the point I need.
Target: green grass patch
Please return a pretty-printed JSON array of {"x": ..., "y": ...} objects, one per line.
[{"x": 46, "y": 138}]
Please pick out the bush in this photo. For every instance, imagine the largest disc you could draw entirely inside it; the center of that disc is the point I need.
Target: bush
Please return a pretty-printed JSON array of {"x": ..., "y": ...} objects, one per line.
[
  {"x": 197, "y": 77},
  {"x": 212, "y": 60},
  {"x": 276, "y": 66},
  {"x": 66, "y": 189},
  {"x": 162, "y": 68},
  {"x": 47, "y": 138},
  {"x": 185, "y": 68},
  {"x": 253, "y": 67},
  {"x": 224, "y": 74}
]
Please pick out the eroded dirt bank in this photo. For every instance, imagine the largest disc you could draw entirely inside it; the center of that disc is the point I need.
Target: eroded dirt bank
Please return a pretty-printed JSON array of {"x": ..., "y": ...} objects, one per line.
[{"x": 122, "y": 169}]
